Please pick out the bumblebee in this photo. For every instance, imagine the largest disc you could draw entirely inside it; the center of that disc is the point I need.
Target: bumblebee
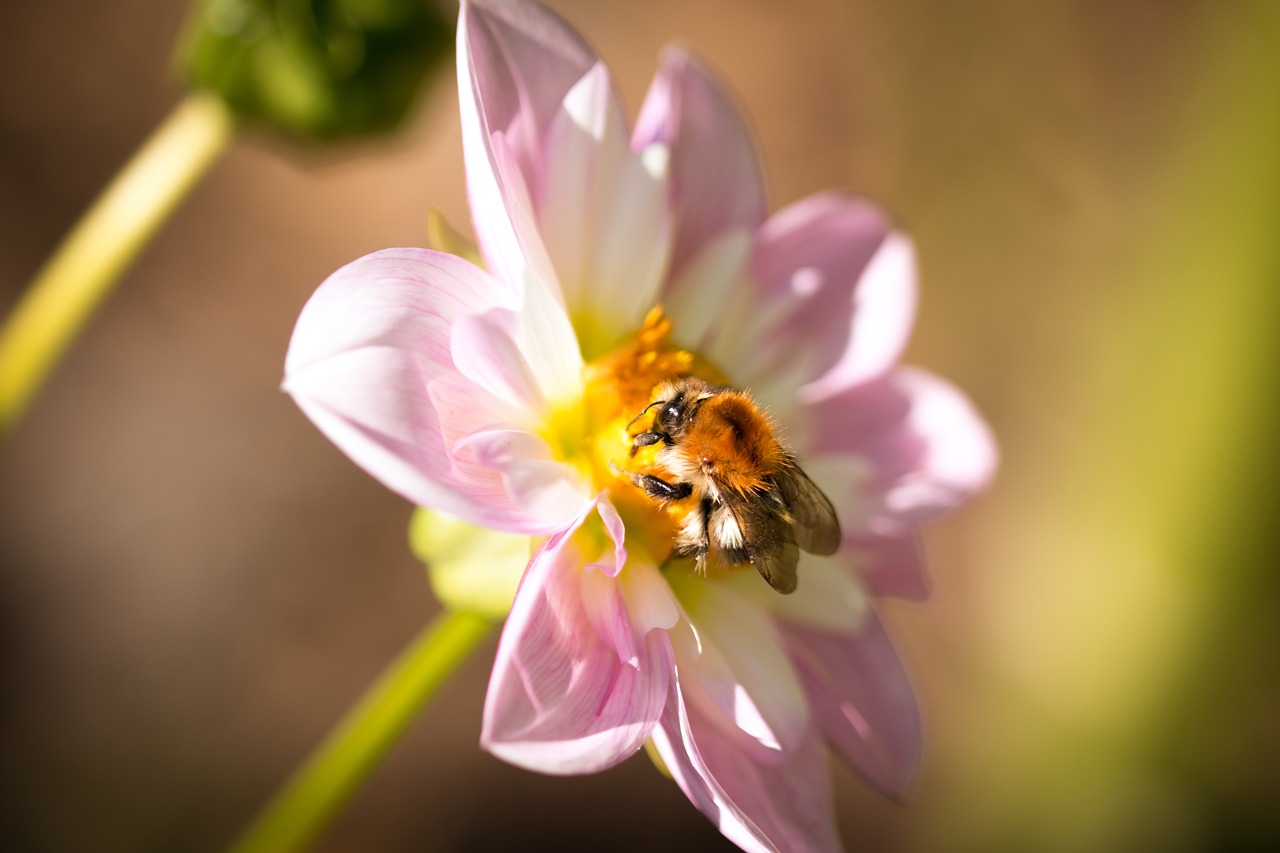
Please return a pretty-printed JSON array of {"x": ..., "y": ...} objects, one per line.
[{"x": 750, "y": 501}]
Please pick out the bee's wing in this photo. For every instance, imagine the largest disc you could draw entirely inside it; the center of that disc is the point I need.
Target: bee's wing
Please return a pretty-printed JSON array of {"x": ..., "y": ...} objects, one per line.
[
  {"x": 817, "y": 530},
  {"x": 778, "y": 564},
  {"x": 768, "y": 539}
]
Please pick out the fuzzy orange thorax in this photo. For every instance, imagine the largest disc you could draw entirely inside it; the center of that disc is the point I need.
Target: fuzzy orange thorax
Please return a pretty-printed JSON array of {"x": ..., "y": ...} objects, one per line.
[{"x": 734, "y": 441}]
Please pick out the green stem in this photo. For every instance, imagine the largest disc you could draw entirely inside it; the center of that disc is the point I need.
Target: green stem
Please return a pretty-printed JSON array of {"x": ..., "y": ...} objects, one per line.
[
  {"x": 103, "y": 243},
  {"x": 337, "y": 767}
]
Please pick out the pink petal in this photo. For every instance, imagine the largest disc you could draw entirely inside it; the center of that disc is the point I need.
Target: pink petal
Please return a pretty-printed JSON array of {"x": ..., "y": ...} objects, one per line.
[
  {"x": 716, "y": 185},
  {"x": 576, "y": 685},
  {"x": 606, "y": 613},
  {"x": 680, "y": 757},
  {"x": 920, "y": 447},
  {"x": 784, "y": 806},
  {"x": 838, "y": 287},
  {"x": 525, "y": 354},
  {"x": 891, "y": 566},
  {"x": 371, "y": 363},
  {"x": 862, "y": 701},
  {"x": 520, "y": 60},
  {"x": 485, "y": 351},
  {"x": 516, "y": 62}
]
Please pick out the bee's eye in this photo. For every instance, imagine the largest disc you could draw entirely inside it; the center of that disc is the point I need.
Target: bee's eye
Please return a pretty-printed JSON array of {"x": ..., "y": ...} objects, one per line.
[{"x": 670, "y": 412}]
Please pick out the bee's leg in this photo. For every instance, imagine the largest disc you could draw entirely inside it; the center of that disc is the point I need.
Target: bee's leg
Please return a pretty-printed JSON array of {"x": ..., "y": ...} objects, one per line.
[
  {"x": 646, "y": 439},
  {"x": 654, "y": 487},
  {"x": 660, "y": 489},
  {"x": 704, "y": 540}
]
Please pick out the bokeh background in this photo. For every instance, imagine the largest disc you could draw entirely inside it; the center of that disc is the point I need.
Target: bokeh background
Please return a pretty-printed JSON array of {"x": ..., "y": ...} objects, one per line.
[{"x": 194, "y": 584}]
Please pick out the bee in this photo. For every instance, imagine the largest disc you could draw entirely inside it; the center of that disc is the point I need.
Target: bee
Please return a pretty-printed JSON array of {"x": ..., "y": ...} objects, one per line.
[{"x": 751, "y": 501}]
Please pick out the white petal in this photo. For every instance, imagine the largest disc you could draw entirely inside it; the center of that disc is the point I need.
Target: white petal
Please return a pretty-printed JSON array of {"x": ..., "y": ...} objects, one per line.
[
  {"x": 732, "y": 665},
  {"x": 602, "y": 210},
  {"x": 828, "y": 596},
  {"x": 712, "y": 279},
  {"x": 547, "y": 340},
  {"x": 649, "y": 597}
]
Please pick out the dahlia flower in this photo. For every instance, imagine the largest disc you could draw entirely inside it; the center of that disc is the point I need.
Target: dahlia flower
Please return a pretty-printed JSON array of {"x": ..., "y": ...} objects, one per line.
[{"x": 499, "y": 397}]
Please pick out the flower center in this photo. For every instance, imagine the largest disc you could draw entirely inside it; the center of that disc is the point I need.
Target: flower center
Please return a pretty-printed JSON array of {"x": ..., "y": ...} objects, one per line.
[{"x": 617, "y": 388}]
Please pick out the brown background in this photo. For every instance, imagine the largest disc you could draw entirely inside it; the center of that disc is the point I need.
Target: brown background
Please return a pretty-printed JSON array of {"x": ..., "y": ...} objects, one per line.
[{"x": 194, "y": 584}]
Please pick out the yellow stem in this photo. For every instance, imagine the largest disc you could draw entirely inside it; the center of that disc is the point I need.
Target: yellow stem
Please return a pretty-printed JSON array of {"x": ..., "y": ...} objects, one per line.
[
  {"x": 337, "y": 767},
  {"x": 103, "y": 243}
]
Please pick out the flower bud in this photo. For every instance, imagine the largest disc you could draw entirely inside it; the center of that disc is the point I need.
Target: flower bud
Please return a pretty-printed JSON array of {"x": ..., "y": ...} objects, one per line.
[{"x": 314, "y": 69}]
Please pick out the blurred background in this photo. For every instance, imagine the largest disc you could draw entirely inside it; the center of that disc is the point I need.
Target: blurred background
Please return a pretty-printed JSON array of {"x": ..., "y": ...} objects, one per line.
[{"x": 194, "y": 584}]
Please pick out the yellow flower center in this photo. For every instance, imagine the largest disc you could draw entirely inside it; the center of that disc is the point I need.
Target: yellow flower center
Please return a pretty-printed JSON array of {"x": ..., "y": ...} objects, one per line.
[{"x": 595, "y": 436}]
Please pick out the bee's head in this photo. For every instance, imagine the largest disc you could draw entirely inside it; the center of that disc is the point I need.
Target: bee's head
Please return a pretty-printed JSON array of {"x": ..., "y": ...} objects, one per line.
[
  {"x": 674, "y": 415},
  {"x": 677, "y": 404}
]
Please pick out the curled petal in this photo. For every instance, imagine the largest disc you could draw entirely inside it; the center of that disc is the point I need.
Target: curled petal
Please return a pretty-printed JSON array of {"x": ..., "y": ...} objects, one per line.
[
  {"x": 898, "y": 451},
  {"x": 780, "y": 806},
  {"x": 542, "y": 486},
  {"x": 611, "y": 563},
  {"x": 371, "y": 363},
  {"x": 716, "y": 185},
  {"x": 576, "y": 686},
  {"x": 861, "y": 700},
  {"x": 629, "y": 606},
  {"x": 393, "y": 298}
]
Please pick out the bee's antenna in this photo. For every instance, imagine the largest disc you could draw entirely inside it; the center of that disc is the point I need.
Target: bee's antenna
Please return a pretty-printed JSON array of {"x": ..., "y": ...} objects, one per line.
[{"x": 644, "y": 412}]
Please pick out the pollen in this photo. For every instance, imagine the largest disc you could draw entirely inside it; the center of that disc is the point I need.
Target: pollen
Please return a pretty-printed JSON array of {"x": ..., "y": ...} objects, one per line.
[{"x": 618, "y": 386}]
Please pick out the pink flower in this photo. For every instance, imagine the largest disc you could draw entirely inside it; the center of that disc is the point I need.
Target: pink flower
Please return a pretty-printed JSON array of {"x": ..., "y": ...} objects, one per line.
[{"x": 501, "y": 398}]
